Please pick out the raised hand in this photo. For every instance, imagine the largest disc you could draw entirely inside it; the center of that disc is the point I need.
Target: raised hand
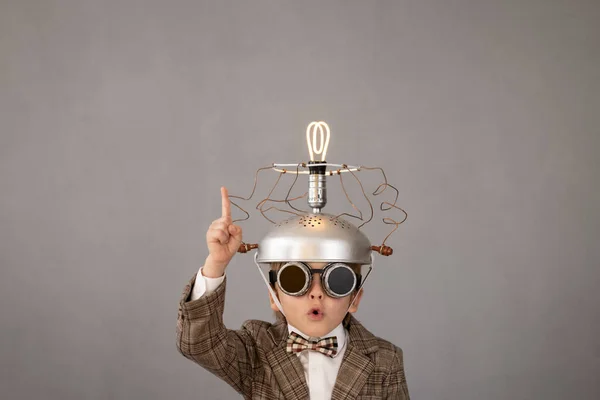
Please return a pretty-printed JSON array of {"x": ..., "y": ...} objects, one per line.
[{"x": 223, "y": 239}]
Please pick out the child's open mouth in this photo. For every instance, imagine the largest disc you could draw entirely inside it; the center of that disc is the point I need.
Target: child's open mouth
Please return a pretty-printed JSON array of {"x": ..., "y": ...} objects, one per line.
[{"x": 315, "y": 314}]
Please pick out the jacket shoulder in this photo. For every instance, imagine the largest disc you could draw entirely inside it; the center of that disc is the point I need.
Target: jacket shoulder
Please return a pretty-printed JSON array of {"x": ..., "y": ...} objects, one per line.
[
  {"x": 265, "y": 334},
  {"x": 256, "y": 326},
  {"x": 388, "y": 355},
  {"x": 383, "y": 352},
  {"x": 388, "y": 351}
]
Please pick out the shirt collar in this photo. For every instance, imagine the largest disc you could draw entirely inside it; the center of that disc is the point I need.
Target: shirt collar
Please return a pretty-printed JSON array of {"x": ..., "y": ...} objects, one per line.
[{"x": 338, "y": 331}]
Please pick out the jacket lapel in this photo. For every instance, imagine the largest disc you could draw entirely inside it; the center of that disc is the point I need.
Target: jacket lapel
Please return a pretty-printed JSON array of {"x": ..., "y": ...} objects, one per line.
[
  {"x": 286, "y": 367},
  {"x": 356, "y": 365}
]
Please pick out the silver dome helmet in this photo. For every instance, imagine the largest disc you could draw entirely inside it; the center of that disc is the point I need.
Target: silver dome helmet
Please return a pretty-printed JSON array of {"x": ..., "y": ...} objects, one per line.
[{"x": 315, "y": 238}]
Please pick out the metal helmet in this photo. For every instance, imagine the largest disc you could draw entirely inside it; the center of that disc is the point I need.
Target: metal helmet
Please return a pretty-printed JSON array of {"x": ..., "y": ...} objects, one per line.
[{"x": 315, "y": 237}]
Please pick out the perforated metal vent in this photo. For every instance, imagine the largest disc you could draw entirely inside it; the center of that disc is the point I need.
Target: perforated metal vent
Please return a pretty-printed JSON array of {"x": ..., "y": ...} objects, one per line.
[{"x": 312, "y": 221}]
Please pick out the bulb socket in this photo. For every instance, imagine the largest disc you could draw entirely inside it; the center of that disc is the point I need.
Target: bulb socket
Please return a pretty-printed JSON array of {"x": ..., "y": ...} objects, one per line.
[
  {"x": 317, "y": 186},
  {"x": 317, "y": 170}
]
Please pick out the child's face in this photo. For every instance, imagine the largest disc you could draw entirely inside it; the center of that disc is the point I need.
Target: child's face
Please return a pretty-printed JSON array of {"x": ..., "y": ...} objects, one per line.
[{"x": 315, "y": 313}]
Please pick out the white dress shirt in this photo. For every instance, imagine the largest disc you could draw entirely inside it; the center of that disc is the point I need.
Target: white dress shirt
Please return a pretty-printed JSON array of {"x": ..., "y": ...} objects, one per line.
[{"x": 320, "y": 370}]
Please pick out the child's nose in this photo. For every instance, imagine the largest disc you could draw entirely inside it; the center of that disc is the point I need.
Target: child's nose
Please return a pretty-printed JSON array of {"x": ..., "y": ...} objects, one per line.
[{"x": 316, "y": 291}]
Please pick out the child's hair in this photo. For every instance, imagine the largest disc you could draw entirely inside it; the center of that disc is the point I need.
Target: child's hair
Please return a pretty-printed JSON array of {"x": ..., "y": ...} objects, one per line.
[{"x": 357, "y": 268}]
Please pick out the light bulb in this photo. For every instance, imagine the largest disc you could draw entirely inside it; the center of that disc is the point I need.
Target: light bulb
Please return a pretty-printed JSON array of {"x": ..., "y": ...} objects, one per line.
[
  {"x": 317, "y": 148},
  {"x": 323, "y": 129}
]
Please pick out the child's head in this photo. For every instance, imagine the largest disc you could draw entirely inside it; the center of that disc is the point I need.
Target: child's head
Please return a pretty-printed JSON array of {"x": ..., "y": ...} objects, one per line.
[
  {"x": 317, "y": 308},
  {"x": 315, "y": 277}
]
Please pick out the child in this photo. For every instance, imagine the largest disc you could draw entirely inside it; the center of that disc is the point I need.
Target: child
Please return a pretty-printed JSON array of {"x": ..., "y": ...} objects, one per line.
[{"x": 317, "y": 351}]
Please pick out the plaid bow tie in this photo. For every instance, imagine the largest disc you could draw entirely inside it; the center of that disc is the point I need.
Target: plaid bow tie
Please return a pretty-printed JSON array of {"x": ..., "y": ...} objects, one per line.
[{"x": 297, "y": 343}]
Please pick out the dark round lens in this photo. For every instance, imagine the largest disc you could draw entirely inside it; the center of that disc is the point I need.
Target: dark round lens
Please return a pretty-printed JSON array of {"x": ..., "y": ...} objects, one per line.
[
  {"x": 341, "y": 280},
  {"x": 292, "y": 278}
]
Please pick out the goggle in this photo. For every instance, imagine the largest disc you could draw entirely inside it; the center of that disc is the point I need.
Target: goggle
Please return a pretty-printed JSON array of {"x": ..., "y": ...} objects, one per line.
[{"x": 295, "y": 279}]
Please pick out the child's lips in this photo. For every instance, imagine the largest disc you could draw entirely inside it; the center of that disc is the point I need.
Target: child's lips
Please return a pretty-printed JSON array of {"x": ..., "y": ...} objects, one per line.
[{"x": 315, "y": 314}]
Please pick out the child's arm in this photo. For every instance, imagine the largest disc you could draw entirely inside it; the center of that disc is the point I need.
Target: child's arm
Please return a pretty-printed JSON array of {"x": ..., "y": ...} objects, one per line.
[
  {"x": 203, "y": 338},
  {"x": 394, "y": 386},
  {"x": 201, "y": 334}
]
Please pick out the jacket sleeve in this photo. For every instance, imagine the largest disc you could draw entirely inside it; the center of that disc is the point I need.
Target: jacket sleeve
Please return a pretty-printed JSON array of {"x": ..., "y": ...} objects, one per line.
[
  {"x": 203, "y": 338},
  {"x": 394, "y": 386}
]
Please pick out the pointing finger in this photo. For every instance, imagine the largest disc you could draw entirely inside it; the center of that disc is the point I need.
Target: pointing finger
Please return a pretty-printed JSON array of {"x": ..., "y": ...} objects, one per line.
[{"x": 225, "y": 204}]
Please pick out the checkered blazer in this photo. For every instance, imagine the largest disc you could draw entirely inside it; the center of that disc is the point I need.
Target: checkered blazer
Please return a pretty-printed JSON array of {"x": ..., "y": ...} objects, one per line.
[{"x": 253, "y": 360}]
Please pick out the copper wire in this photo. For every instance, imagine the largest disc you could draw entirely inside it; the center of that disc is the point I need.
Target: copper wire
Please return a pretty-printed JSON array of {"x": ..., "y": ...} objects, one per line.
[
  {"x": 287, "y": 199},
  {"x": 377, "y": 192},
  {"x": 344, "y": 166},
  {"x": 384, "y": 206},
  {"x": 249, "y": 197},
  {"x": 350, "y": 201}
]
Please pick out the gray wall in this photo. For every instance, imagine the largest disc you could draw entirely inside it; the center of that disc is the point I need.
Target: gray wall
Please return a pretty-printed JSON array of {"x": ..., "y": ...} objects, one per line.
[{"x": 119, "y": 120}]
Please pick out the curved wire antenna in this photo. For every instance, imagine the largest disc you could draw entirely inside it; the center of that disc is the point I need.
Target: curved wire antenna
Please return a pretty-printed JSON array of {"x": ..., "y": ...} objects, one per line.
[
  {"x": 263, "y": 201},
  {"x": 287, "y": 197},
  {"x": 249, "y": 197},
  {"x": 384, "y": 206},
  {"x": 260, "y": 205},
  {"x": 263, "y": 211},
  {"x": 389, "y": 206},
  {"x": 243, "y": 244},
  {"x": 350, "y": 201},
  {"x": 287, "y": 200},
  {"x": 344, "y": 166}
]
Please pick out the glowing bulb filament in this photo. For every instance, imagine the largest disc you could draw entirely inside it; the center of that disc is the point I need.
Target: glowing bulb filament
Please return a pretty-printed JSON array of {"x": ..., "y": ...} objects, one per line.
[{"x": 323, "y": 129}]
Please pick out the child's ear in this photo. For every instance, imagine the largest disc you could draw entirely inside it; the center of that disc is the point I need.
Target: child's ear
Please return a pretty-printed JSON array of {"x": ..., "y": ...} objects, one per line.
[
  {"x": 354, "y": 307},
  {"x": 273, "y": 305}
]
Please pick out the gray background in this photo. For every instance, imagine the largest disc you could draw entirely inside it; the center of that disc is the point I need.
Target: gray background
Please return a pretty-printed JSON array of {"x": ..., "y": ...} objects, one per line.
[{"x": 119, "y": 120}]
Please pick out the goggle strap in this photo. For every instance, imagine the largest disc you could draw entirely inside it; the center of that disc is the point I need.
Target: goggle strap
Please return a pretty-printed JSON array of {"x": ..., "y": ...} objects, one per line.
[
  {"x": 362, "y": 283},
  {"x": 273, "y": 294}
]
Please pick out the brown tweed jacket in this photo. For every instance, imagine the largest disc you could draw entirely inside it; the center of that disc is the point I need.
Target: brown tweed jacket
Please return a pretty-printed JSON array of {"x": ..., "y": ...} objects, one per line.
[{"x": 254, "y": 362}]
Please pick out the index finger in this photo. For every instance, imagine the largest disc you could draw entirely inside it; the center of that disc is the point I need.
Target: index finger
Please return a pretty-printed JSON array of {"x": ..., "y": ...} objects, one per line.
[{"x": 225, "y": 203}]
